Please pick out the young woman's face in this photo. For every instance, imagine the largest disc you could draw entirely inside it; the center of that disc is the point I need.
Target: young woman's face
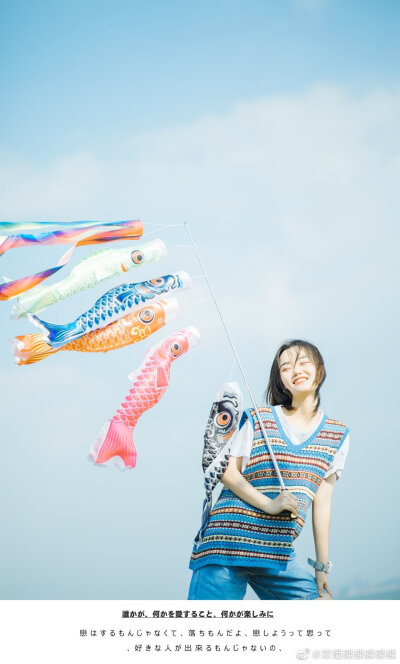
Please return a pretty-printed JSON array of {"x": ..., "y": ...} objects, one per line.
[{"x": 298, "y": 372}]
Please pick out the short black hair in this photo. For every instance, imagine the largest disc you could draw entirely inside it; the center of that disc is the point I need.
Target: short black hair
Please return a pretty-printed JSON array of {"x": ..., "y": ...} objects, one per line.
[{"x": 276, "y": 393}]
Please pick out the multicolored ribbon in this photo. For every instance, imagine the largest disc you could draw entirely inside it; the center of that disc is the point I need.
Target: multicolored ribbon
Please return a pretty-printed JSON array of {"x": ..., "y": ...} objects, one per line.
[
  {"x": 83, "y": 235},
  {"x": 90, "y": 233},
  {"x": 12, "y": 226}
]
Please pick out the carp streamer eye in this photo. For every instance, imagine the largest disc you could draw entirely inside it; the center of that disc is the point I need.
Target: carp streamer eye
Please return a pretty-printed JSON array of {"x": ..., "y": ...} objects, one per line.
[
  {"x": 146, "y": 316},
  {"x": 158, "y": 281},
  {"x": 223, "y": 419},
  {"x": 176, "y": 349},
  {"x": 137, "y": 256}
]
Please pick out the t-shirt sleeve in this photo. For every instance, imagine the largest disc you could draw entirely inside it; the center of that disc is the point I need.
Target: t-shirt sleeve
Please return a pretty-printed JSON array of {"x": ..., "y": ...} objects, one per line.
[
  {"x": 242, "y": 443},
  {"x": 339, "y": 459}
]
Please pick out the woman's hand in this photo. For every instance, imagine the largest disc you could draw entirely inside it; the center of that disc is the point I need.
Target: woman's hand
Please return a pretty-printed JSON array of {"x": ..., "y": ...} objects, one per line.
[
  {"x": 285, "y": 501},
  {"x": 321, "y": 579},
  {"x": 234, "y": 480}
]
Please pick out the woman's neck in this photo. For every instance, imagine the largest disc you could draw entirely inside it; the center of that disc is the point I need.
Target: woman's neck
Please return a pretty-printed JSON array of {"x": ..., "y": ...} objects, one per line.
[{"x": 303, "y": 406}]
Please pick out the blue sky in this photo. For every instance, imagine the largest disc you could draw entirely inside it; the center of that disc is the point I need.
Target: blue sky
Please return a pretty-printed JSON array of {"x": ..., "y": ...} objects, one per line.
[
  {"x": 81, "y": 74},
  {"x": 272, "y": 129}
]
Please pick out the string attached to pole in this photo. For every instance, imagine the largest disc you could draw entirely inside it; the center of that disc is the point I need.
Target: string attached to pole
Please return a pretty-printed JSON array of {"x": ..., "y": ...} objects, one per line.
[{"x": 160, "y": 228}]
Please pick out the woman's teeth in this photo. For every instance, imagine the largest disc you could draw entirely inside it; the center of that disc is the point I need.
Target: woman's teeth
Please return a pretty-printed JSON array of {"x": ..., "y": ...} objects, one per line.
[{"x": 299, "y": 380}]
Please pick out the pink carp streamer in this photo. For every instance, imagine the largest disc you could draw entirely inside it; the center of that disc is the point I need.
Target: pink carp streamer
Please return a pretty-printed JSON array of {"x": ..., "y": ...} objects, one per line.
[
  {"x": 150, "y": 382},
  {"x": 132, "y": 230}
]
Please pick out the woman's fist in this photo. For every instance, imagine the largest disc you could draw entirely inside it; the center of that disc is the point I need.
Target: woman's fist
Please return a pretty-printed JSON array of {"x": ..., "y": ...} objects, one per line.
[{"x": 285, "y": 501}]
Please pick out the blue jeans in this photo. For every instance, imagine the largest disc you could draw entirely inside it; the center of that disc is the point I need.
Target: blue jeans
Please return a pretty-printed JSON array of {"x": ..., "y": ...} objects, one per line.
[{"x": 230, "y": 582}]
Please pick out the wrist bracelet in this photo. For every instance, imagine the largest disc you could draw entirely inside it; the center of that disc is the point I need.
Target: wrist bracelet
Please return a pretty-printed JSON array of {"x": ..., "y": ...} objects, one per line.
[{"x": 321, "y": 567}]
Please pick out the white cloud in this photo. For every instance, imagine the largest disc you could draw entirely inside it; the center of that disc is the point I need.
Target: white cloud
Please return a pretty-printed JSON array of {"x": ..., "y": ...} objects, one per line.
[
  {"x": 296, "y": 194},
  {"x": 278, "y": 157},
  {"x": 59, "y": 189}
]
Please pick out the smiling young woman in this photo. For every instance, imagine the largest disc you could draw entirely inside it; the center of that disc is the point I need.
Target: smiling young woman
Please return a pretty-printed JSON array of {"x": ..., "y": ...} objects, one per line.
[
  {"x": 250, "y": 532},
  {"x": 297, "y": 375}
]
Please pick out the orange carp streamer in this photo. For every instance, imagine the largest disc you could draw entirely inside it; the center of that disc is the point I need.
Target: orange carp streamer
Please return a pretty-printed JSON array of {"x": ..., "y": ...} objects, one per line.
[{"x": 140, "y": 324}]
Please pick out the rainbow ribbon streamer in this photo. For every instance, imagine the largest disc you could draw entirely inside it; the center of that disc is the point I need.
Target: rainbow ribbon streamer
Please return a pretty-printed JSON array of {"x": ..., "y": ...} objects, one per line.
[
  {"x": 12, "y": 226},
  {"x": 83, "y": 235}
]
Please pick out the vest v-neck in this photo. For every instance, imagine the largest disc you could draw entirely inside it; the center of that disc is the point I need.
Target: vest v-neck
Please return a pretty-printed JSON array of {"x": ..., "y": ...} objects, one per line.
[{"x": 286, "y": 437}]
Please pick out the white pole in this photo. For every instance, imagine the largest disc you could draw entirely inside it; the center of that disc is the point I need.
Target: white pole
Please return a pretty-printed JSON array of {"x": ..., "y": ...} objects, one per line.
[{"x": 281, "y": 482}]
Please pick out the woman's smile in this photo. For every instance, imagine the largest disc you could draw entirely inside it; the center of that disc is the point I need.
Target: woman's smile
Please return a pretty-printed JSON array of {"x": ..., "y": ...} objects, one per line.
[
  {"x": 293, "y": 361},
  {"x": 300, "y": 379}
]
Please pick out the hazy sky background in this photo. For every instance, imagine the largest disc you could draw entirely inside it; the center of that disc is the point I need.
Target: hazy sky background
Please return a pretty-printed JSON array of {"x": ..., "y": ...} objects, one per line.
[{"x": 272, "y": 128}]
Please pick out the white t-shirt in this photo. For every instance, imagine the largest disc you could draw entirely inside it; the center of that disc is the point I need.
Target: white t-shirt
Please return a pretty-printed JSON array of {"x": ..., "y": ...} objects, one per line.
[{"x": 243, "y": 441}]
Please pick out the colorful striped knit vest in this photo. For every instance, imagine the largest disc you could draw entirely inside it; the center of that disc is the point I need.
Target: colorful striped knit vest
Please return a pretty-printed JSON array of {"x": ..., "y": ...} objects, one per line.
[{"x": 240, "y": 534}]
